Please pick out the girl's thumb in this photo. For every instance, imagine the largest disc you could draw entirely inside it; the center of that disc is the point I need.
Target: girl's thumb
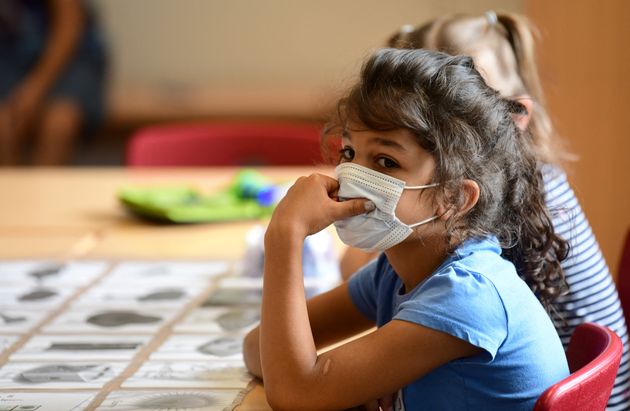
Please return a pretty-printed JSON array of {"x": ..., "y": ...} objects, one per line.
[{"x": 355, "y": 206}]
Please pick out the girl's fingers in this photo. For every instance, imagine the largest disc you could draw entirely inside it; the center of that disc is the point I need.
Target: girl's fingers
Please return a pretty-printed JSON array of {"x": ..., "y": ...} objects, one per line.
[{"x": 352, "y": 207}]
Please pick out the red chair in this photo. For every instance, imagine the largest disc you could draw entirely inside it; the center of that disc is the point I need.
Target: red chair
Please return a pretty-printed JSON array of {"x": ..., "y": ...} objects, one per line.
[
  {"x": 594, "y": 355},
  {"x": 226, "y": 144},
  {"x": 623, "y": 278}
]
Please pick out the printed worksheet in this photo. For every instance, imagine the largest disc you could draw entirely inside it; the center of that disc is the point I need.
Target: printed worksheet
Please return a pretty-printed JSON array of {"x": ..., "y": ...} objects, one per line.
[
  {"x": 215, "y": 400},
  {"x": 7, "y": 341},
  {"x": 111, "y": 320},
  {"x": 74, "y": 274},
  {"x": 55, "y": 375},
  {"x": 80, "y": 348},
  {"x": 238, "y": 319},
  {"x": 190, "y": 374},
  {"x": 27, "y": 401},
  {"x": 147, "y": 295},
  {"x": 34, "y": 297},
  {"x": 201, "y": 348},
  {"x": 165, "y": 272},
  {"x": 236, "y": 290},
  {"x": 17, "y": 321}
]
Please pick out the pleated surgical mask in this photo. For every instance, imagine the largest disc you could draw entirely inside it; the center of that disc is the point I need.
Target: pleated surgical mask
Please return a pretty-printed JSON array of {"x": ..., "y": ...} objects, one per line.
[{"x": 378, "y": 229}]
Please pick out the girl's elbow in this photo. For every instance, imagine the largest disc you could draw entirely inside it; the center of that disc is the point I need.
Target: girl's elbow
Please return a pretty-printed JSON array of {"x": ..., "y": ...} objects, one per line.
[
  {"x": 279, "y": 401},
  {"x": 284, "y": 398}
]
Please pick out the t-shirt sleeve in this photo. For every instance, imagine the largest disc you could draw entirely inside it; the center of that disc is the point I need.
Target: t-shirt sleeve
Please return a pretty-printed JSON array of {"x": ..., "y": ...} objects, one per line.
[
  {"x": 362, "y": 287},
  {"x": 461, "y": 303}
]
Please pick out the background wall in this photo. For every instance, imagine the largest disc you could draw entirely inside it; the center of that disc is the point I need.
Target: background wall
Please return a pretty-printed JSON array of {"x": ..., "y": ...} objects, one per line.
[
  {"x": 585, "y": 64},
  {"x": 247, "y": 57}
]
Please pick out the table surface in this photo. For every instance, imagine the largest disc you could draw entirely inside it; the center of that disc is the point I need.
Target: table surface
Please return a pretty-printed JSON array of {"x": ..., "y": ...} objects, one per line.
[{"x": 73, "y": 213}]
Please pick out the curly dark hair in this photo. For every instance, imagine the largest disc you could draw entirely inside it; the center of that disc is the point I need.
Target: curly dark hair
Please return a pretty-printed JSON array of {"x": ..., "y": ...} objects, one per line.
[{"x": 469, "y": 129}]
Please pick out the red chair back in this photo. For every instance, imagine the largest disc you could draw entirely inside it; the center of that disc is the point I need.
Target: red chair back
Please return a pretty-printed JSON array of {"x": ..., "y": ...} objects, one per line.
[
  {"x": 594, "y": 355},
  {"x": 226, "y": 144},
  {"x": 623, "y": 277}
]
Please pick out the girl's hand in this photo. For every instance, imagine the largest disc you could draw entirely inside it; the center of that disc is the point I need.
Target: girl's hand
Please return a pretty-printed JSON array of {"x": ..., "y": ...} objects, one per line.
[{"x": 311, "y": 205}]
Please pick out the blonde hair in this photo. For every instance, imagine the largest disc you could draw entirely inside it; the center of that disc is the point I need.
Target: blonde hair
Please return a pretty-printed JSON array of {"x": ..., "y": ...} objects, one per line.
[{"x": 508, "y": 40}]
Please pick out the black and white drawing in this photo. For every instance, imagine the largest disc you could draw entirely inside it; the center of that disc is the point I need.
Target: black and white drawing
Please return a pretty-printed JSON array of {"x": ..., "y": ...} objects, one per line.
[
  {"x": 201, "y": 347},
  {"x": 238, "y": 319},
  {"x": 80, "y": 347},
  {"x": 34, "y": 297},
  {"x": 216, "y": 400},
  {"x": 15, "y": 320},
  {"x": 27, "y": 401},
  {"x": 190, "y": 374},
  {"x": 165, "y": 272},
  {"x": 58, "y": 374},
  {"x": 117, "y": 319},
  {"x": 73, "y": 274},
  {"x": 147, "y": 295}
]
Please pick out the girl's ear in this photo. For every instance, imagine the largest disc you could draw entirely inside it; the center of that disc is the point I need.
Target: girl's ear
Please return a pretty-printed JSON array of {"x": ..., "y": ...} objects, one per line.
[
  {"x": 470, "y": 190},
  {"x": 522, "y": 120},
  {"x": 471, "y": 195}
]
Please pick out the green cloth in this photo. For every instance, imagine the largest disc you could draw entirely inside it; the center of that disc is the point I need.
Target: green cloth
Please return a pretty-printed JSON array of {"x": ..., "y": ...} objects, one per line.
[{"x": 187, "y": 205}]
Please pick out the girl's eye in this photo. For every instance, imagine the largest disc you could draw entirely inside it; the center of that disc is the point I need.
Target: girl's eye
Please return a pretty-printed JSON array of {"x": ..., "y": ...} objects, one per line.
[
  {"x": 386, "y": 162},
  {"x": 346, "y": 154}
]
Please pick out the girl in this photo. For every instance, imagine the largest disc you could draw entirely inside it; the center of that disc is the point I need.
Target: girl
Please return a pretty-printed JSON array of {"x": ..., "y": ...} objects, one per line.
[
  {"x": 435, "y": 173},
  {"x": 502, "y": 47}
]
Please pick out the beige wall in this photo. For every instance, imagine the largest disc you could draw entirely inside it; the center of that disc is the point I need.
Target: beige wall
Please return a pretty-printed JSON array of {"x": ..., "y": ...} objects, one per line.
[
  {"x": 585, "y": 61},
  {"x": 250, "y": 56}
]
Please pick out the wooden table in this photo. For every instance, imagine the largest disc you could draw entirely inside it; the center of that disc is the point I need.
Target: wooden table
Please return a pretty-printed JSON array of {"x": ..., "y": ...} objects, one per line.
[{"x": 74, "y": 214}]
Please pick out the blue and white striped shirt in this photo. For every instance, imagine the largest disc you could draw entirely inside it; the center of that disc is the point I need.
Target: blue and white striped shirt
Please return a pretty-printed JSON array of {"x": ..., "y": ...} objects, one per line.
[{"x": 592, "y": 294}]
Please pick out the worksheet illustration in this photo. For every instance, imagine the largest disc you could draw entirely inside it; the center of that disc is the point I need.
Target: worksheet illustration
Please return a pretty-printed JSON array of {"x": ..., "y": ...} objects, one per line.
[
  {"x": 16, "y": 321},
  {"x": 55, "y": 375},
  {"x": 201, "y": 348},
  {"x": 27, "y": 401},
  {"x": 147, "y": 295},
  {"x": 117, "y": 319},
  {"x": 34, "y": 297},
  {"x": 235, "y": 290},
  {"x": 238, "y": 319},
  {"x": 165, "y": 272},
  {"x": 73, "y": 274},
  {"x": 215, "y": 400},
  {"x": 190, "y": 374},
  {"x": 80, "y": 348}
]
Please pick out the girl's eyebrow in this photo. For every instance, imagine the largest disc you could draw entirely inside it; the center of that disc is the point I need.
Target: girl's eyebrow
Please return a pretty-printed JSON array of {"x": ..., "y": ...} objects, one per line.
[{"x": 388, "y": 143}]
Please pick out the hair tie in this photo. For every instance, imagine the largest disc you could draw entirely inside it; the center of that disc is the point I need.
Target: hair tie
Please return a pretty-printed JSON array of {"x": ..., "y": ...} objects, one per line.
[
  {"x": 491, "y": 18},
  {"x": 406, "y": 29}
]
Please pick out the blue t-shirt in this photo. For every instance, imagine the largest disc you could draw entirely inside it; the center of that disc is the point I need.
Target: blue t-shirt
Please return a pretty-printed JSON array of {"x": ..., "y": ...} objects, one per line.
[{"x": 477, "y": 296}]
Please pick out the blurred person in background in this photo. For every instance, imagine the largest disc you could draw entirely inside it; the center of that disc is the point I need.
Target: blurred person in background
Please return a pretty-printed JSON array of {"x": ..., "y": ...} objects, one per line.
[{"x": 52, "y": 75}]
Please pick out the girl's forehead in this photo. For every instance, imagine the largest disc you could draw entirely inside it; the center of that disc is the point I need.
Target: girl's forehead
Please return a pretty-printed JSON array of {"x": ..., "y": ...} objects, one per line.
[{"x": 393, "y": 138}]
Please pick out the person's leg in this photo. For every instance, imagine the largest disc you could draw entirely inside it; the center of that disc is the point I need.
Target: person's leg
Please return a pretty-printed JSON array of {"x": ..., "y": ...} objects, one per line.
[
  {"x": 59, "y": 129},
  {"x": 9, "y": 143}
]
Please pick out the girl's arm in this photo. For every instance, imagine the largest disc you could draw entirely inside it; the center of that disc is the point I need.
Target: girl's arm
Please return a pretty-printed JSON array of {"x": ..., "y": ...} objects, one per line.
[
  {"x": 370, "y": 367},
  {"x": 332, "y": 317}
]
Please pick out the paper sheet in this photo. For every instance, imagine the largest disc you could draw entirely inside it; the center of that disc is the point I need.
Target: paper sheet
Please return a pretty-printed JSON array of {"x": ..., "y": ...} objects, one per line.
[
  {"x": 26, "y": 401},
  {"x": 80, "y": 348},
  {"x": 216, "y": 400},
  {"x": 190, "y": 374}
]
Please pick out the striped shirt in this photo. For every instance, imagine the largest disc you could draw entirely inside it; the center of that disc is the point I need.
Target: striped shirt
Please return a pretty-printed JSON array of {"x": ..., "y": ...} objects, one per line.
[{"x": 592, "y": 294}]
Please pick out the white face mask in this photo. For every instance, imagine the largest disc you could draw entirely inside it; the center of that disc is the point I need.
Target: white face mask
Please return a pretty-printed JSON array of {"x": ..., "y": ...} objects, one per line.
[{"x": 379, "y": 229}]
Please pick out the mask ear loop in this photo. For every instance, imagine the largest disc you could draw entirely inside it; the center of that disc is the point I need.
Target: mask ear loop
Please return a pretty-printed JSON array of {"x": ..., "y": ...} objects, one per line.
[
  {"x": 421, "y": 187},
  {"x": 426, "y": 220}
]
